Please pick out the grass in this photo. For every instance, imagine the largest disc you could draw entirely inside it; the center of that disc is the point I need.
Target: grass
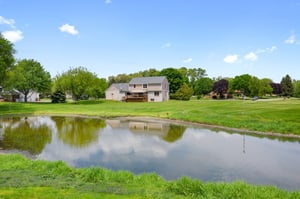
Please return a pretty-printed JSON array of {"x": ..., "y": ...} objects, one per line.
[
  {"x": 24, "y": 178},
  {"x": 276, "y": 116}
]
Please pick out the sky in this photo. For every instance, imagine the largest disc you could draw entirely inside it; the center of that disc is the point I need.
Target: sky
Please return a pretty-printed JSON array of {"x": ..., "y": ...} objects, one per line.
[{"x": 110, "y": 37}]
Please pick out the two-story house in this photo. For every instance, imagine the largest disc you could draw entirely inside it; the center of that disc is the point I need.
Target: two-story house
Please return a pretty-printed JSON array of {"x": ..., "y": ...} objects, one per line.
[{"x": 147, "y": 89}]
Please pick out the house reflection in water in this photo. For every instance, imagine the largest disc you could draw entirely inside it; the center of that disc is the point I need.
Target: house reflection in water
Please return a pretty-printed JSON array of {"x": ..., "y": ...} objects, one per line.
[{"x": 166, "y": 131}]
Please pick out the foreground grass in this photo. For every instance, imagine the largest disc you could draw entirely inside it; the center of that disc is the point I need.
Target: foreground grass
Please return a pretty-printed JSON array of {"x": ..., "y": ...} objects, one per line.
[
  {"x": 277, "y": 116},
  {"x": 24, "y": 178}
]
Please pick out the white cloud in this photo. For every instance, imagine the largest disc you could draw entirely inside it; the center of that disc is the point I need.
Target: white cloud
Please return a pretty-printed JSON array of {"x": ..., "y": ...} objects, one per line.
[
  {"x": 251, "y": 56},
  {"x": 108, "y": 1},
  {"x": 230, "y": 59},
  {"x": 188, "y": 60},
  {"x": 266, "y": 50},
  {"x": 13, "y": 35},
  {"x": 291, "y": 40},
  {"x": 68, "y": 29},
  {"x": 166, "y": 45},
  {"x": 9, "y": 22}
]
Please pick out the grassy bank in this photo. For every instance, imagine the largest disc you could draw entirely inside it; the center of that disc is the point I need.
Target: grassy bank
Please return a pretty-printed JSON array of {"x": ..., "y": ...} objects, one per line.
[
  {"x": 278, "y": 116},
  {"x": 24, "y": 178}
]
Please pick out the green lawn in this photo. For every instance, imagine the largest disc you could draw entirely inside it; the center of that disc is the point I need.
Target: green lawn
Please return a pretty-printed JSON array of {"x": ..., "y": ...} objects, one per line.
[
  {"x": 277, "y": 115},
  {"x": 24, "y": 178}
]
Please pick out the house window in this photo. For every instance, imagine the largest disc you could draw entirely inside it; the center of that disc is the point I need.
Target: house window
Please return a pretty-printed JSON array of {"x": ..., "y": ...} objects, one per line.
[
  {"x": 144, "y": 85},
  {"x": 134, "y": 85},
  {"x": 156, "y": 93}
]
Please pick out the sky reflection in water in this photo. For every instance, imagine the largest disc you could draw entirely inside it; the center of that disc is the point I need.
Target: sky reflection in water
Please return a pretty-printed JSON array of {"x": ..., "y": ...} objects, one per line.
[{"x": 170, "y": 150}]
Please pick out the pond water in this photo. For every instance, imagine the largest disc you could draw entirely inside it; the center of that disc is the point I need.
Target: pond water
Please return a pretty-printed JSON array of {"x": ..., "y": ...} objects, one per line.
[{"x": 168, "y": 149}]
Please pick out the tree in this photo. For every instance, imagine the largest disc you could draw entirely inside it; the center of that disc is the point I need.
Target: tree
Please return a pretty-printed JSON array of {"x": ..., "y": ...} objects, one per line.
[
  {"x": 203, "y": 86},
  {"x": 296, "y": 85},
  {"x": 58, "y": 97},
  {"x": 6, "y": 58},
  {"x": 277, "y": 89},
  {"x": 184, "y": 92},
  {"x": 220, "y": 87},
  {"x": 287, "y": 86},
  {"x": 174, "y": 77},
  {"x": 80, "y": 83},
  {"x": 29, "y": 75},
  {"x": 241, "y": 83},
  {"x": 254, "y": 86},
  {"x": 265, "y": 87},
  {"x": 195, "y": 74}
]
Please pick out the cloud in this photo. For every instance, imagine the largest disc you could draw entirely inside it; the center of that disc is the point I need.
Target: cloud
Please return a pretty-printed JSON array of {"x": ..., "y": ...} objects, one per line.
[
  {"x": 108, "y": 1},
  {"x": 166, "y": 45},
  {"x": 251, "y": 56},
  {"x": 230, "y": 59},
  {"x": 188, "y": 60},
  {"x": 9, "y": 22},
  {"x": 266, "y": 50},
  {"x": 68, "y": 29},
  {"x": 291, "y": 40},
  {"x": 13, "y": 35}
]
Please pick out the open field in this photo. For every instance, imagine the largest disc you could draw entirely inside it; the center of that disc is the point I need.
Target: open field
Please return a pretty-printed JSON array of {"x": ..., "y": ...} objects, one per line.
[
  {"x": 276, "y": 116},
  {"x": 24, "y": 178}
]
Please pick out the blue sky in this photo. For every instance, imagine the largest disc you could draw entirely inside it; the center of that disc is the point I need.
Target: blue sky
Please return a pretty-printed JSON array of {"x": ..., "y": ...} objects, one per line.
[{"x": 110, "y": 37}]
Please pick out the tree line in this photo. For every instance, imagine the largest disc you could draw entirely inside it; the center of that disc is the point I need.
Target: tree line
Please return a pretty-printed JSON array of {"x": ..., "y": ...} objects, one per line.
[{"x": 27, "y": 74}]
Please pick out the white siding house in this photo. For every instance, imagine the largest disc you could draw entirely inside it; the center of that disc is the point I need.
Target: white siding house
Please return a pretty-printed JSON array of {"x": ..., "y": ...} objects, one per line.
[{"x": 150, "y": 89}]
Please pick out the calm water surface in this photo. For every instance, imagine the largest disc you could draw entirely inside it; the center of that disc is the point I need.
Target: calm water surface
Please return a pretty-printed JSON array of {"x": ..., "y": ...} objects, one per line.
[{"x": 170, "y": 150}]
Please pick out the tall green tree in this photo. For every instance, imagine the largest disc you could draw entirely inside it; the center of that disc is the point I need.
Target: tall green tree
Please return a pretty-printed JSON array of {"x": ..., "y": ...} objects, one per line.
[
  {"x": 241, "y": 83},
  {"x": 265, "y": 87},
  {"x": 287, "y": 86},
  {"x": 7, "y": 59},
  {"x": 296, "y": 85},
  {"x": 254, "y": 86},
  {"x": 174, "y": 77},
  {"x": 29, "y": 75},
  {"x": 203, "y": 86},
  {"x": 195, "y": 74},
  {"x": 80, "y": 83}
]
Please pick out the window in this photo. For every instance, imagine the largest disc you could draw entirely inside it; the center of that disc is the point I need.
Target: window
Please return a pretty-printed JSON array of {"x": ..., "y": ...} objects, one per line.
[
  {"x": 156, "y": 93},
  {"x": 134, "y": 85},
  {"x": 144, "y": 85}
]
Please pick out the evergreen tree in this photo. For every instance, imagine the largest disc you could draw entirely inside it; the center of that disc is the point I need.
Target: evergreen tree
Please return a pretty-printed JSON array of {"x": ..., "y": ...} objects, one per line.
[{"x": 287, "y": 86}]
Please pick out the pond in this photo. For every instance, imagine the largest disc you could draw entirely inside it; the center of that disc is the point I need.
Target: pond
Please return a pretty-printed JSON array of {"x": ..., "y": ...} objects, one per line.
[{"x": 168, "y": 149}]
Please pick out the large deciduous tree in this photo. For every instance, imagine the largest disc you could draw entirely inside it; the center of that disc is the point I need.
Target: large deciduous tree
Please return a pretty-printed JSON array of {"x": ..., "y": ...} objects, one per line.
[
  {"x": 29, "y": 75},
  {"x": 80, "y": 83},
  {"x": 287, "y": 86},
  {"x": 296, "y": 85},
  {"x": 174, "y": 77},
  {"x": 241, "y": 84},
  {"x": 221, "y": 87},
  {"x": 203, "y": 86},
  {"x": 6, "y": 58}
]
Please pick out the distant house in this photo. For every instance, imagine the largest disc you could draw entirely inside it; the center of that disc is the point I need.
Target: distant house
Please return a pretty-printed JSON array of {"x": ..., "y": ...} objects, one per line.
[
  {"x": 145, "y": 89},
  {"x": 117, "y": 92},
  {"x": 16, "y": 96}
]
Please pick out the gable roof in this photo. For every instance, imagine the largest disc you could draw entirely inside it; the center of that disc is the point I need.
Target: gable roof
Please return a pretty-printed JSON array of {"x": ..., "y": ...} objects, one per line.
[
  {"x": 121, "y": 86},
  {"x": 148, "y": 80}
]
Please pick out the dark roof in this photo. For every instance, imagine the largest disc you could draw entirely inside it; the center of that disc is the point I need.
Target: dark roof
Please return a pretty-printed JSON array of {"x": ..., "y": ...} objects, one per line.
[
  {"x": 148, "y": 80},
  {"x": 121, "y": 86}
]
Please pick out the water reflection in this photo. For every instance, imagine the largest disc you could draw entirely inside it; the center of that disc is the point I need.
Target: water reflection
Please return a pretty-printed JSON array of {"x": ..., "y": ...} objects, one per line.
[
  {"x": 78, "y": 131},
  {"x": 26, "y": 134},
  {"x": 170, "y": 150}
]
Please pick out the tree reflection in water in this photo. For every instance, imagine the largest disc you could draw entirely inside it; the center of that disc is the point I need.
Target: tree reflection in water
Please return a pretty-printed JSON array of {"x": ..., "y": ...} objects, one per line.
[
  {"x": 26, "y": 134},
  {"x": 78, "y": 132}
]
